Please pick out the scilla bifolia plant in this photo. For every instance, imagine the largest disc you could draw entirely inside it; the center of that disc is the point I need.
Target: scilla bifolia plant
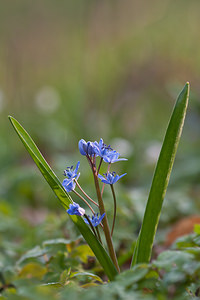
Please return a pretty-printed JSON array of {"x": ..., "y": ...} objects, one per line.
[
  {"x": 89, "y": 225},
  {"x": 91, "y": 150}
]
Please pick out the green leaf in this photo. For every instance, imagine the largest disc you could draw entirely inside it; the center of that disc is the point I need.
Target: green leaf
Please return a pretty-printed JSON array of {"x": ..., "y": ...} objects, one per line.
[
  {"x": 160, "y": 180},
  {"x": 35, "y": 252},
  {"x": 170, "y": 258},
  {"x": 56, "y": 242},
  {"x": 129, "y": 277},
  {"x": 65, "y": 199},
  {"x": 82, "y": 252},
  {"x": 82, "y": 274},
  {"x": 197, "y": 228},
  {"x": 31, "y": 270}
]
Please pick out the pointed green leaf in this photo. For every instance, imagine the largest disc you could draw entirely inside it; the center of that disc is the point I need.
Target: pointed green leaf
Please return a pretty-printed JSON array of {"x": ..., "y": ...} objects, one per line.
[
  {"x": 65, "y": 199},
  {"x": 160, "y": 180}
]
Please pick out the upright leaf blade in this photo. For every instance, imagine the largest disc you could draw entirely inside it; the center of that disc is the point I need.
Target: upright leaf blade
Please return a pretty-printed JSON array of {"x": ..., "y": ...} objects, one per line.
[
  {"x": 160, "y": 181},
  {"x": 65, "y": 199}
]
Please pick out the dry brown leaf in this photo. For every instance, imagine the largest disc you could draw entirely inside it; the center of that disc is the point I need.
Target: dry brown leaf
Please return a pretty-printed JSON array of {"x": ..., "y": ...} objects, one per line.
[{"x": 182, "y": 227}]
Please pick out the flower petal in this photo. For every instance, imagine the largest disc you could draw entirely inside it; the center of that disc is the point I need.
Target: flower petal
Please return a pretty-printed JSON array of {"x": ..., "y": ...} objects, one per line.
[
  {"x": 68, "y": 185},
  {"x": 77, "y": 167},
  {"x": 122, "y": 175},
  {"x": 81, "y": 145},
  {"x": 101, "y": 218},
  {"x": 75, "y": 209},
  {"x": 101, "y": 177},
  {"x": 116, "y": 178}
]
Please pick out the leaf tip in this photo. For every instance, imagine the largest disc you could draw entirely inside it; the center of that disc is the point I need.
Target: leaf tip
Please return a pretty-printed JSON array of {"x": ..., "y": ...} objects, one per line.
[
  {"x": 10, "y": 118},
  {"x": 187, "y": 85},
  {"x": 185, "y": 92}
]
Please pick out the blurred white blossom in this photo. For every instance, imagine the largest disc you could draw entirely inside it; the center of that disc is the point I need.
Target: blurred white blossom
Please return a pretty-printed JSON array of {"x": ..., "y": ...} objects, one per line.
[
  {"x": 152, "y": 152},
  {"x": 47, "y": 100},
  {"x": 124, "y": 147}
]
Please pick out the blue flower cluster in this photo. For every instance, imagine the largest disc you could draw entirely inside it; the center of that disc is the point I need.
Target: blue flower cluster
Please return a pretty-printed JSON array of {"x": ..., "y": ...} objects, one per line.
[
  {"x": 91, "y": 149},
  {"x": 99, "y": 149}
]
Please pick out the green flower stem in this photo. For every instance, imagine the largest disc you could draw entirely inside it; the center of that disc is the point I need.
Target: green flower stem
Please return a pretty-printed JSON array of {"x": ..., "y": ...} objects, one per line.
[
  {"x": 89, "y": 161},
  {"x": 92, "y": 227},
  {"x": 98, "y": 234},
  {"x": 99, "y": 165},
  {"x": 104, "y": 183},
  {"x": 115, "y": 208},
  {"x": 105, "y": 220},
  {"x": 90, "y": 207},
  {"x": 84, "y": 193}
]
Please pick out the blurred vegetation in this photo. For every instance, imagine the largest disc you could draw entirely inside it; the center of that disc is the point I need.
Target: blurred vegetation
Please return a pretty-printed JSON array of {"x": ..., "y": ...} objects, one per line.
[{"x": 91, "y": 69}]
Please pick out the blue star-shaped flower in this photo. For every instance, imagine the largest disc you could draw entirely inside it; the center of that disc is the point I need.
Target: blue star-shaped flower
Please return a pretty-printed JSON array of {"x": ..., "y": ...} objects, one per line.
[
  {"x": 75, "y": 209},
  {"x": 102, "y": 149},
  {"x": 107, "y": 153},
  {"x": 111, "y": 178},
  {"x": 112, "y": 157},
  {"x": 95, "y": 220},
  {"x": 72, "y": 174},
  {"x": 69, "y": 183}
]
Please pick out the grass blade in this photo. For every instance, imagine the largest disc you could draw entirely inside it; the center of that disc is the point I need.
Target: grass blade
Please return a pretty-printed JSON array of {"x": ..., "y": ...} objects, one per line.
[
  {"x": 65, "y": 199},
  {"x": 160, "y": 181}
]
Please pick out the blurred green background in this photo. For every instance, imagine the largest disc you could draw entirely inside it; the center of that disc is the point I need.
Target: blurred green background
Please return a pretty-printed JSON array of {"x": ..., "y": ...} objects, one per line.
[{"x": 91, "y": 69}]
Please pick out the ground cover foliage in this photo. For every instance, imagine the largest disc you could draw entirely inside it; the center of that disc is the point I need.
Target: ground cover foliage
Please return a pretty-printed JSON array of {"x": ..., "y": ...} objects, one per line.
[
  {"x": 63, "y": 267},
  {"x": 66, "y": 266}
]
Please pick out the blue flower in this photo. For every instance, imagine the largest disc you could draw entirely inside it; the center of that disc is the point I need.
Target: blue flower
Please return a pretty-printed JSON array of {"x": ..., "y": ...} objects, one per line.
[
  {"x": 111, "y": 178},
  {"x": 75, "y": 209},
  {"x": 101, "y": 148},
  {"x": 95, "y": 220},
  {"x": 107, "y": 153},
  {"x": 72, "y": 174},
  {"x": 69, "y": 184},
  {"x": 87, "y": 148},
  {"x": 112, "y": 157}
]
